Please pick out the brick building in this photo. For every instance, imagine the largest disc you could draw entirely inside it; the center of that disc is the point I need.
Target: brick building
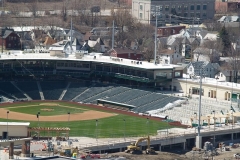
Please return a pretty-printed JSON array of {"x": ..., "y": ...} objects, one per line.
[
  {"x": 125, "y": 53},
  {"x": 166, "y": 31},
  {"x": 9, "y": 40}
]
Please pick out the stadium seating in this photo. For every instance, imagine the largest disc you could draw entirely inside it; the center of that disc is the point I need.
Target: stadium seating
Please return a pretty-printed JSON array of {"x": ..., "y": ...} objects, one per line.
[
  {"x": 75, "y": 89},
  {"x": 9, "y": 90},
  {"x": 108, "y": 93},
  {"x": 52, "y": 90},
  {"x": 127, "y": 96},
  {"x": 92, "y": 91},
  {"x": 30, "y": 88}
]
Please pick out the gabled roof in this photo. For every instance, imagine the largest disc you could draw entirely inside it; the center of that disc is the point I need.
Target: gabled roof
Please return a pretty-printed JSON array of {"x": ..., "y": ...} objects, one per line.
[
  {"x": 198, "y": 65},
  {"x": 119, "y": 50},
  {"x": 167, "y": 51},
  {"x": 185, "y": 41},
  {"x": 7, "y": 33}
]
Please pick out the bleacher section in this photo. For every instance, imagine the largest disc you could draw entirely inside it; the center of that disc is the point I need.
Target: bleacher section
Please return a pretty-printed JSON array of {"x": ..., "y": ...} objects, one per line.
[
  {"x": 92, "y": 91},
  {"x": 104, "y": 95},
  {"x": 10, "y": 91},
  {"x": 30, "y": 88},
  {"x": 52, "y": 90},
  {"x": 141, "y": 99},
  {"x": 75, "y": 89},
  {"x": 127, "y": 96}
]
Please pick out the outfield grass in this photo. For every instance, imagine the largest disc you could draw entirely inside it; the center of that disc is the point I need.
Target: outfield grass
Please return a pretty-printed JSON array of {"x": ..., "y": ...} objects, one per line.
[{"x": 116, "y": 126}]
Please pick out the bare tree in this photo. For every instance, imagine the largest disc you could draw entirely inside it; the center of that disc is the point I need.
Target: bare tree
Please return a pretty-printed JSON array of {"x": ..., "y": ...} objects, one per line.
[
  {"x": 33, "y": 7},
  {"x": 122, "y": 18}
]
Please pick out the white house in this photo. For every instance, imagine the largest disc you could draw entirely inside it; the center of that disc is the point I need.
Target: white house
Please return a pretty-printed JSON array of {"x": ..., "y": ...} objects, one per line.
[
  {"x": 208, "y": 69},
  {"x": 168, "y": 56}
]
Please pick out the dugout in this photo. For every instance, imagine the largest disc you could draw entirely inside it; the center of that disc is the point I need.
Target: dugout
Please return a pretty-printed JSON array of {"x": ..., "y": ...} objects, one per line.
[{"x": 14, "y": 130}]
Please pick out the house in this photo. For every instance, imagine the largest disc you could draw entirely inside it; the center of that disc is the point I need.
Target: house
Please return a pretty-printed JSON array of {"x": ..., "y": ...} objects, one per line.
[
  {"x": 227, "y": 19},
  {"x": 224, "y": 76},
  {"x": 206, "y": 54},
  {"x": 96, "y": 46},
  {"x": 168, "y": 56},
  {"x": 10, "y": 40},
  {"x": 166, "y": 31},
  {"x": 208, "y": 69},
  {"x": 224, "y": 6},
  {"x": 125, "y": 53}
]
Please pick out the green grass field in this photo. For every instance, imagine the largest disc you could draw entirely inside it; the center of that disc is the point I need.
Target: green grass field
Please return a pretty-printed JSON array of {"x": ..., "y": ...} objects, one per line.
[
  {"x": 56, "y": 110},
  {"x": 116, "y": 126}
]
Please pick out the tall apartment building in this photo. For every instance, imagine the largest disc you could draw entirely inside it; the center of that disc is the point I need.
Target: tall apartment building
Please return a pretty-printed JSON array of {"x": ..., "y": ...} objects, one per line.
[{"x": 173, "y": 11}]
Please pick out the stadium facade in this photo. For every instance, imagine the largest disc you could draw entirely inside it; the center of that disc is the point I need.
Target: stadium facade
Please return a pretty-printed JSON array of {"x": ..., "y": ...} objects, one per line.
[{"x": 89, "y": 67}]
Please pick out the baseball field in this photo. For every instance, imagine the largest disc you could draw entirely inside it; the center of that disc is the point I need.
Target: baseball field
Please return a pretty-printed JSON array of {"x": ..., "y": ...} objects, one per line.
[{"x": 83, "y": 120}]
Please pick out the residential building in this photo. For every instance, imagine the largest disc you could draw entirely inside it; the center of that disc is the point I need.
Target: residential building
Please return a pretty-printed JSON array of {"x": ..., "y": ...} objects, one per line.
[
  {"x": 125, "y": 53},
  {"x": 208, "y": 69},
  {"x": 168, "y": 56},
  {"x": 166, "y": 31},
  {"x": 224, "y": 6},
  {"x": 173, "y": 11},
  {"x": 227, "y": 19},
  {"x": 10, "y": 40}
]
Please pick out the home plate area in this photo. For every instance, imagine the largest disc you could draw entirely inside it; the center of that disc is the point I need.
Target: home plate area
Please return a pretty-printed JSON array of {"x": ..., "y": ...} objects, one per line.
[{"x": 38, "y": 146}]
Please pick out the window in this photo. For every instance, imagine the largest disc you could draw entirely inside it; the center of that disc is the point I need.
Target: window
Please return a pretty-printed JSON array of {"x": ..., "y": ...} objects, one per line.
[
  {"x": 160, "y": 8},
  {"x": 140, "y": 15},
  {"x": 192, "y": 7},
  {"x": 179, "y": 7},
  {"x": 177, "y": 74},
  {"x": 185, "y": 14},
  {"x": 204, "y": 15},
  {"x": 192, "y": 14},
  {"x": 198, "y": 7},
  {"x": 204, "y": 7},
  {"x": 185, "y": 7},
  {"x": 198, "y": 15},
  {"x": 141, "y": 7},
  {"x": 167, "y": 8},
  {"x": 190, "y": 69}
]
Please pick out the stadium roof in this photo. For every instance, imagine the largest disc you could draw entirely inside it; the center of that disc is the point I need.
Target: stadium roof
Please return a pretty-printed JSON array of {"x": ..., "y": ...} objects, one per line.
[
  {"x": 15, "y": 123},
  {"x": 93, "y": 57}
]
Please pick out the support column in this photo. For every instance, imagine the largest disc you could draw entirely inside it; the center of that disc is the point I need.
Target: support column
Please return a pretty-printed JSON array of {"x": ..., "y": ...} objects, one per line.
[
  {"x": 184, "y": 145},
  {"x": 26, "y": 149},
  {"x": 160, "y": 147},
  {"x": 198, "y": 141},
  {"x": 120, "y": 149},
  {"x": 214, "y": 142},
  {"x": 11, "y": 147},
  {"x": 232, "y": 136}
]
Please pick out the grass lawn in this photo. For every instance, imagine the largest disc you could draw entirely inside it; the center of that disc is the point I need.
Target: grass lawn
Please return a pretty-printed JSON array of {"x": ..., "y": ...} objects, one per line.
[
  {"x": 54, "y": 110},
  {"x": 116, "y": 126}
]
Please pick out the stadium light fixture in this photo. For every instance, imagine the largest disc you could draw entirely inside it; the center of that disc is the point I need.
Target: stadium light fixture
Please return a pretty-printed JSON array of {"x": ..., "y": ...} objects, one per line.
[
  {"x": 7, "y": 124},
  {"x": 96, "y": 130},
  {"x": 68, "y": 118},
  {"x": 124, "y": 129},
  {"x": 148, "y": 126}
]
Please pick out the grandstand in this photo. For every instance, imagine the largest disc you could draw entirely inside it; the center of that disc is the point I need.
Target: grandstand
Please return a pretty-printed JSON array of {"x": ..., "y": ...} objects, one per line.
[{"x": 139, "y": 86}]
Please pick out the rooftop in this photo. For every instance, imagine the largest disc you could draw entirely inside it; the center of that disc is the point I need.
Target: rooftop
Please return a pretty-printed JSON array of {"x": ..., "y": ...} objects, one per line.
[
  {"x": 14, "y": 123},
  {"x": 93, "y": 57}
]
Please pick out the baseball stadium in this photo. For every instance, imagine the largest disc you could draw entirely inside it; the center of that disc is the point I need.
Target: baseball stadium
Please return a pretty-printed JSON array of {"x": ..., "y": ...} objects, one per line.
[{"x": 112, "y": 101}]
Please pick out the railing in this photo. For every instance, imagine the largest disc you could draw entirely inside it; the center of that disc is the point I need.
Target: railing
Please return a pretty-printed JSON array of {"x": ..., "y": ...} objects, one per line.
[{"x": 168, "y": 134}]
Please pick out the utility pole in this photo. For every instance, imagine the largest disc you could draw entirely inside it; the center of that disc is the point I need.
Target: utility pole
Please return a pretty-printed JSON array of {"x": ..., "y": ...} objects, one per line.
[
  {"x": 199, "y": 138},
  {"x": 155, "y": 49},
  {"x": 113, "y": 35}
]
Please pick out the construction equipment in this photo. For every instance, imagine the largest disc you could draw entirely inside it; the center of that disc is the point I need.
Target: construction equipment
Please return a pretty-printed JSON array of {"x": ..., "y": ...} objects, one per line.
[{"x": 134, "y": 148}]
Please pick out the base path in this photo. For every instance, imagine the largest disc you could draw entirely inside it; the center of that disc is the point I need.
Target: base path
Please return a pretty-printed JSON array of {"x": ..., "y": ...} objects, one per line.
[{"x": 86, "y": 115}]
